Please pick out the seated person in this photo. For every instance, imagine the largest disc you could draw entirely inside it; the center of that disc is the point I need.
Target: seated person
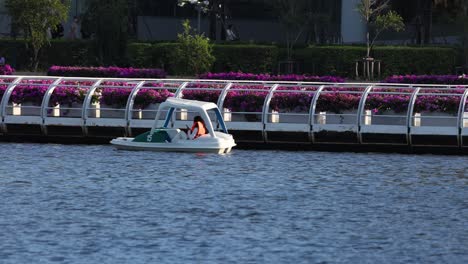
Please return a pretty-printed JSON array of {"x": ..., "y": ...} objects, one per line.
[{"x": 198, "y": 128}]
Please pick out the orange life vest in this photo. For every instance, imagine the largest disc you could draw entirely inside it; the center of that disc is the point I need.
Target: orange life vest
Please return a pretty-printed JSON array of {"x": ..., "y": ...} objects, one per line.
[{"x": 201, "y": 129}]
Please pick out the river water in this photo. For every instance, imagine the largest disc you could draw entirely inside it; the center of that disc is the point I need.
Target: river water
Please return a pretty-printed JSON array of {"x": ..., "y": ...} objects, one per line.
[{"x": 95, "y": 204}]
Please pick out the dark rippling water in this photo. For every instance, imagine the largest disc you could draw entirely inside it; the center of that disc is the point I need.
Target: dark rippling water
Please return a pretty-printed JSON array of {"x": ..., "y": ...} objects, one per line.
[{"x": 94, "y": 204}]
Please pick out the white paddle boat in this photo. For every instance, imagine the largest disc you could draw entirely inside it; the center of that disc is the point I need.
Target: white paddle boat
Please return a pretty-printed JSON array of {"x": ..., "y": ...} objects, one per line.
[{"x": 166, "y": 138}]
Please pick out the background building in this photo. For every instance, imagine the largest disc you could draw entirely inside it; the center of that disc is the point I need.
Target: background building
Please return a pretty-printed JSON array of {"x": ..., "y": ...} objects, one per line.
[{"x": 332, "y": 21}]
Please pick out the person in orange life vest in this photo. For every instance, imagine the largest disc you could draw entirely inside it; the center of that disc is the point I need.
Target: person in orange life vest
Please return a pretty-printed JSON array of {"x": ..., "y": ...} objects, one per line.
[{"x": 198, "y": 128}]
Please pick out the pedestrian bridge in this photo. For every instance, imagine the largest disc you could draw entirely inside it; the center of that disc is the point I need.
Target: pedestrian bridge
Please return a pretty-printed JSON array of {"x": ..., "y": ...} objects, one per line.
[{"x": 270, "y": 113}]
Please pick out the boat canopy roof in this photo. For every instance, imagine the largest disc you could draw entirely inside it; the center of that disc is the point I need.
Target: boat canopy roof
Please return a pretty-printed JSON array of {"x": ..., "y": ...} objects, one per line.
[{"x": 172, "y": 102}]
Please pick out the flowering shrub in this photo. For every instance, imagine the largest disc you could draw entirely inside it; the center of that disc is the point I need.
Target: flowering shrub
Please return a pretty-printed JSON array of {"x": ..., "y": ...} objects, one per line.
[
  {"x": 246, "y": 98},
  {"x": 64, "y": 96},
  {"x": 145, "y": 97},
  {"x": 291, "y": 101},
  {"x": 428, "y": 79},
  {"x": 387, "y": 102},
  {"x": 3, "y": 86},
  {"x": 337, "y": 102},
  {"x": 244, "y": 101},
  {"x": 431, "y": 103},
  {"x": 6, "y": 70},
  {"x": 31, "y": 91},
  {"x": 28, "y": 93},
  {"x": 2, "y": 90},
  {"x": 118, "y": 97},
  {"x": 206, "y": 94},
  {"x": 114, "y": 72},
  {"x": 268, "y": 77},
  {"x": 115, "y": 97}
]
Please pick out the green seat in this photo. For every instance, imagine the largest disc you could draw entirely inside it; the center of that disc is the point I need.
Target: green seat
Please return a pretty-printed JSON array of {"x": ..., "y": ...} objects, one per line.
[{"x": 159, "y": 136}]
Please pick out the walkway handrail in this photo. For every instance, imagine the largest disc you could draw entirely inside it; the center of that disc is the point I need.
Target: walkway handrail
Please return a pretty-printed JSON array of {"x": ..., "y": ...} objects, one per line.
[
  {"x": 7, "y": 95},
  {"x": 223, "y": 95},
  {"x": 360, "y": 111},
  {"x": 266, "y": 107},
  {"x": 45, "y": 103},
  {"x": 359, "y": 95},
  {"x": 46, "y": 98},
  {"x": 313, "y": 109},
  {"x": 409, "y": 117},
  {"x": 88, "y": 98},
  {"x": 461, "y": 117},
  {"x": 181, "y": 87},
  {"x": 131, "y": 100},
  {"x": 87, "y": 103}
]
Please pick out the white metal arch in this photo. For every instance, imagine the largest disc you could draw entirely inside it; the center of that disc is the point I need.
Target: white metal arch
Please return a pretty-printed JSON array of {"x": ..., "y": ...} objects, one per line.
[{"x": 227, "y": 86}]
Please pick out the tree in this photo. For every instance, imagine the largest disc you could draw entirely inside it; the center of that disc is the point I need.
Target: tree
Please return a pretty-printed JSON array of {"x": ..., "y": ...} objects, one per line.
[
  {"x": 463, "y": 19},
  {"x": 200, "y": 6},
  {"x": 372, "y": 11},
  {"x": 193, "y": 55},
  {"x": 214, "y": 8},
  {"x": 294, "y": 16},
  {"x": 109, "y": 20},
  {"x": 37, "y": 18}
]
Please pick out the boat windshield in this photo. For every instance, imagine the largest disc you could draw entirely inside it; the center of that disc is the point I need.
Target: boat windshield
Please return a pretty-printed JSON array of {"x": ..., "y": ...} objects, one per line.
[
  {"x": 168, "y": 117},
  {"x": 217, "y": 113},
  {"x": 220, "y": 120}
]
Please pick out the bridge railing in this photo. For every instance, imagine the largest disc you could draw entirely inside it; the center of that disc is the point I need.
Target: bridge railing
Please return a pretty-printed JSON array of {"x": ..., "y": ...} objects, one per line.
[{"x": 314, "y": 112}]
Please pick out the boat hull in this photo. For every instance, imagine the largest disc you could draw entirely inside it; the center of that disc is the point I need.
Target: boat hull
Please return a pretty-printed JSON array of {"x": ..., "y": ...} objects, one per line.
[{"x": 128, "y": 144}]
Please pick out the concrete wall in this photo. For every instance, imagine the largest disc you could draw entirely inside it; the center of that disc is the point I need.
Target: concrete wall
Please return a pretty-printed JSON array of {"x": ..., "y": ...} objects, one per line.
[
  {"x": 5, "y": 25},
  {"x": 166, "y": 28},
  {"x": 353, "y": 29},
  {"x": 5, "y": 20}
]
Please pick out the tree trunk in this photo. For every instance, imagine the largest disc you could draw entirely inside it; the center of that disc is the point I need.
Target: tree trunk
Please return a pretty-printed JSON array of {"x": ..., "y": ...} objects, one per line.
[
  {"x": 465, "y": 40},
  {"x": 222, "y": 15},
  {"x": 213, "y": 20},
  {"x": 288, "y": 47},
  {"x": 35, "y": 59},
  {"x": 368, "y": 44},
  {"x": 427, "y": 18},
  {"x": 465, "y": 30}
]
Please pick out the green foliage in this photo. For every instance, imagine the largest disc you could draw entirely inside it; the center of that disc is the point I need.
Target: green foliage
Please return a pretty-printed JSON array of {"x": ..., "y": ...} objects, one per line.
[
  {"x": 139, "y": 54},
  {"x": 316, "y": 60},
  {"x": 294, "y": 16},
  {"x": 372, "y": 12},
  {"x": 340, "y": 60},
  {"x": 59, "y": 52},
  {"x": 245, "y": 58},
  {"x": 109, "y": 26},
  {"x": 14, "y": 52},
  {"x": 369, "y": 9},
  {"x": 329, "y": 60},
  {"x": 35, "y": 18},
  {"x": 193, "y": 55},
  {"x": 68, "y": 52},
  {"x": 416, "y": 60},
  {"x": 239, "y": 57},
  {"x": 147, "y": 55},
  {"x": 389, "y": 21},
  {"x": 162, "y": 56}
]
